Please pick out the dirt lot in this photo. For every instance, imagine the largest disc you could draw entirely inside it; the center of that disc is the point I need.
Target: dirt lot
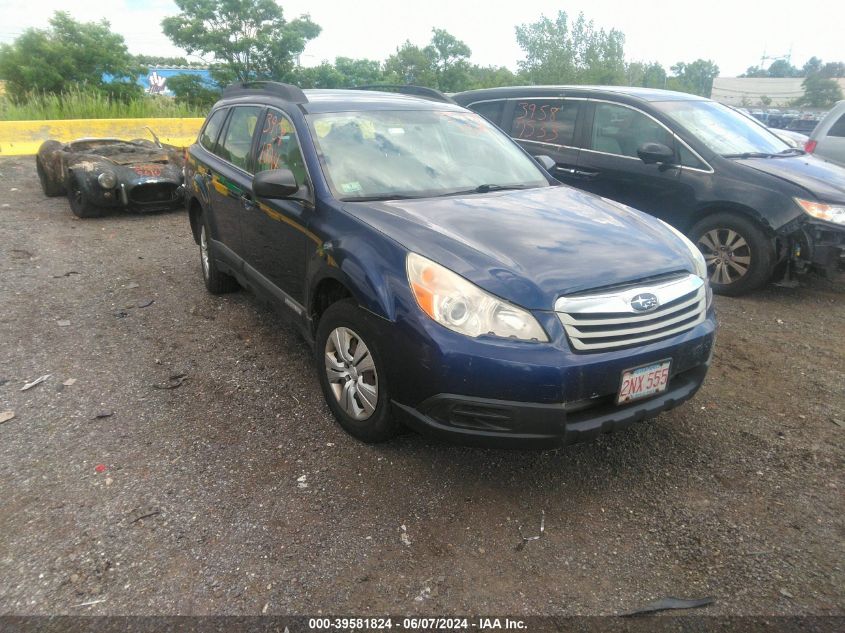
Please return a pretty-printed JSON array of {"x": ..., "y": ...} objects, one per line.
[{"x": 236, "y": 493}]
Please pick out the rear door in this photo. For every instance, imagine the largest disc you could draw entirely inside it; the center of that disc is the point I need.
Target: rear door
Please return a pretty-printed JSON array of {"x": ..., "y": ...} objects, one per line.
[
  {"x": 231, "y": 179},
  {"x": 608, "y": 164},
  {"x": 275, "y": 232},
  {"x": 546, "y": 126}
]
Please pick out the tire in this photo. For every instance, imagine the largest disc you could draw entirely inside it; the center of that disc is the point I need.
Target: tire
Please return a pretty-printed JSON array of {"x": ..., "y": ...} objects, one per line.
[
  {"x": 216, "y": 281},
  {"x": 739, "y": 255},
  {"x": 50, "y": 187},
  {"x": 79, "y": 202},
  {"x": 363, "y": 408}
]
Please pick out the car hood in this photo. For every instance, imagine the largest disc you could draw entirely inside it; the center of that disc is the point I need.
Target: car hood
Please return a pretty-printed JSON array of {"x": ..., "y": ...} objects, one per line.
[
  {"x": 531, "y": 246},
  {"x": 825, "y": 181}
]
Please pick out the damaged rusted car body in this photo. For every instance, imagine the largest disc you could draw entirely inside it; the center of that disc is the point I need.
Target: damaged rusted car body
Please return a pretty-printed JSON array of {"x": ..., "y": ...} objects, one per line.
[{"x": 98, "y": 174}]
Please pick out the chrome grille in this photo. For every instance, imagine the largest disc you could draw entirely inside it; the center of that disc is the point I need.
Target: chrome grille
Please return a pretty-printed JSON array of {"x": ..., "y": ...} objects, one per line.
[{"x": 606, "y": 320}]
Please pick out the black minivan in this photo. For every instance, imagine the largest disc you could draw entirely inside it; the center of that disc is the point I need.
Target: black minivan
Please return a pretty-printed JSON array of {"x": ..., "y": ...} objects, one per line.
[{"x": 756, "y": 207}]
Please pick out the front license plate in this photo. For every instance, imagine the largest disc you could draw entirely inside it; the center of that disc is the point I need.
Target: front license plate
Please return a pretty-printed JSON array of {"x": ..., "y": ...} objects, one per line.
[{"x": 644, "y": 381}]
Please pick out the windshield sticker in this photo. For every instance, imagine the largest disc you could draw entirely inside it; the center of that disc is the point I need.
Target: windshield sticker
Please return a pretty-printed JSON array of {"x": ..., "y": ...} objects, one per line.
[
  {"x": 350, "y": 187},
  {"x": 396, "y": 130}
]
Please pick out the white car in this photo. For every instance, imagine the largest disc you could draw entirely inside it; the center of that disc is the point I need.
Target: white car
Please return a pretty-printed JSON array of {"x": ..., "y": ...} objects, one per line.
[{"x": 828, "y": 139}]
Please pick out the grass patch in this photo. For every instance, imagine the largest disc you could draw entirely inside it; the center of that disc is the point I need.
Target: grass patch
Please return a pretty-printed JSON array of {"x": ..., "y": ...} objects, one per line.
[{"x": 78, "y": 104}]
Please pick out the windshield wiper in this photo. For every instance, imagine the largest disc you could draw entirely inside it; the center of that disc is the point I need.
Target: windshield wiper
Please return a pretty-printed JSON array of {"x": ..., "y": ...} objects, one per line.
[
  {"x": 792, "y": 151},
  {"x": 485, "y": 188},
  {"x": 750, "y": 155},
  {"x": 385, "y": 197}
]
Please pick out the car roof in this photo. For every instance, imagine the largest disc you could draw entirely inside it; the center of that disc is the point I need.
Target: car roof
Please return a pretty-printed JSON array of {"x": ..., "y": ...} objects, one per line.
[
  {"x": 507, "y": 92},
  {"x": 325, "y": 100}
]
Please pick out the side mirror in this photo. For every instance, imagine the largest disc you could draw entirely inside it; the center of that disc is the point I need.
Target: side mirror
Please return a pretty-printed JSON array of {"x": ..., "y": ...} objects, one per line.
[
  {"x": 274, "y": 183},
  {"x": 651, "y": 153},
  {"x": 547, "y": 162}
]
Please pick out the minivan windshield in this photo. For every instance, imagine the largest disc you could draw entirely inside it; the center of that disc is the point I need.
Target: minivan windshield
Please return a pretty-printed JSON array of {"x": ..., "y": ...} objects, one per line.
[
  {"x": 722, "y": 129},
  {"x": 383, "y": 155}
]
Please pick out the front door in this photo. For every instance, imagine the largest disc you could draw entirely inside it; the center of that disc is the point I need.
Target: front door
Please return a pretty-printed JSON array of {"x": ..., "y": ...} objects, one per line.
[
  {"x": 608, "y": 164},
  {"x": 231, "y": 180},
  {"x": 275, "y": 231}
]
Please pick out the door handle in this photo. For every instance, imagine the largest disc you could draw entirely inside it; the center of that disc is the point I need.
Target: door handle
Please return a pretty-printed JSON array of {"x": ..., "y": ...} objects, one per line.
[{"x": 584, "y": 175}]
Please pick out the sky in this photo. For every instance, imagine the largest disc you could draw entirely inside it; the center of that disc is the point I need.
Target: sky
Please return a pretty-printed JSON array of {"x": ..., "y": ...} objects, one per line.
[{"x": 733, "y": 34}]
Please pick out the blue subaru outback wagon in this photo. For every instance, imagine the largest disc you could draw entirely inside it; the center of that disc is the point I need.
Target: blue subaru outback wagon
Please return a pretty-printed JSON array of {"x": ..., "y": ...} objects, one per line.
[{"x": 444, "y": 278}]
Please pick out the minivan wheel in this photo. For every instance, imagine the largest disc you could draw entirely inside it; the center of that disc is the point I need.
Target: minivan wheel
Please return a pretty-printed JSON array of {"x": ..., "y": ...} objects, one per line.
[
  {"x": 739, "y": 254},
  {"x": 216, "y": 282},
  {"x": 351, "y": 372}
]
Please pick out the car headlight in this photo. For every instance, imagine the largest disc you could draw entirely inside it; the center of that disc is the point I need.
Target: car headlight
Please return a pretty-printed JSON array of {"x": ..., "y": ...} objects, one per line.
[
  {"x": 107, "y": 180},
  {"x": 820, "y": 210},
  {"x": 698, "y": 261},
  {"x": 698, "y": 258},
  {"x": 462, "y": 306}
]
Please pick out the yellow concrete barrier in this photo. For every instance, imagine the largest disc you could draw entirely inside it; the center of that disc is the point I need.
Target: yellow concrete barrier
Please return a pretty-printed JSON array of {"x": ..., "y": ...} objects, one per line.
[{"x": 20, "y": 138}]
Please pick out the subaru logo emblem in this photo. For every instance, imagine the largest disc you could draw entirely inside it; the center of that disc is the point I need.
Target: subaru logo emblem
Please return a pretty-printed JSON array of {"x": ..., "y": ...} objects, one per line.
[{"x": 645, "y": 302}]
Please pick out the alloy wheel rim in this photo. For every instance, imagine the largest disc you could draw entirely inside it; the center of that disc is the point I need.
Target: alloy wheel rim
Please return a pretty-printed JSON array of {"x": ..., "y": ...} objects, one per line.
[
  {"x": 204, "y": 251},
  {"x": 351, "y": 372},
  {"x": 727, "y": 254}
]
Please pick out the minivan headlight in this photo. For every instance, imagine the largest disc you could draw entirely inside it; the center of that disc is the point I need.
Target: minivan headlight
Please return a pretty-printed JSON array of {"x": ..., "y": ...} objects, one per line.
[
  {"x": 820, "y": 210},
  {"x": 463, "y": 307}
]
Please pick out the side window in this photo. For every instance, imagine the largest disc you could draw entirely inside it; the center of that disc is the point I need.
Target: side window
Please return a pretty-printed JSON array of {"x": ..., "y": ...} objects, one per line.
[
  {"x": 688, "y": 159},
  {"x": 490, "y": 110},
  {"x": 237, "y": 140},
  {"x": 620, "y": 130},
  {"x": 278, "y": 147},
  {"x": 838, "y": 128},
  {"x": 545, "y": 120},
  {"x": 208, "y": 136}
]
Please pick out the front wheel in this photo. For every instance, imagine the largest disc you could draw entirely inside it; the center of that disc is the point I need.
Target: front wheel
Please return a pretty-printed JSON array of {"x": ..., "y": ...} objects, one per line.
[
  {"x": 352, "y": 375},
  {"x": 739, "y": 254},
  {"x": 80, "y": 204}
]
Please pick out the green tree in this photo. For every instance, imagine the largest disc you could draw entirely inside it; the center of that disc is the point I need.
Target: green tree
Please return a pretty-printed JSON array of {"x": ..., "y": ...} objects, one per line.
[
  {"x": 782, "y": 68},
  {"x": 449, "y": 60},
  {"x": 766, "y": 101},
  {"x": 192, "y": 90},
  {"x": 489, "y": 77},
  {"x": 560, "y": 51},
  {"x": 66, "y": 55},
  {"x": 651, "y": 75},
  {"x": 410, "y": 64},
  {"x": 819, "y": 92},
  {"x": 250, "y": 39},
  {"x": 813, "y": 65},
  {"x": 358, "y": 72},
  {"x": 832, "y": 70},
  {"x": 694, "y": 77}
]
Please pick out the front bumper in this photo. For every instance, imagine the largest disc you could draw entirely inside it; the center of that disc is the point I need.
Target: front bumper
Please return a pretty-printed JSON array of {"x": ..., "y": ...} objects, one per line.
[
  {"x": 820, "y": 245},
  {"x": 521, "y": 395},
  {"x": 504, "y": 424}
]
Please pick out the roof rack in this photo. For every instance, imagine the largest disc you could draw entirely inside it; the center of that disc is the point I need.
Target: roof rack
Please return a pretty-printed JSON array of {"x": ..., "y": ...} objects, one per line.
[
  {"x": 288, "y": 92},
  {"x": 416, "y": 91}
]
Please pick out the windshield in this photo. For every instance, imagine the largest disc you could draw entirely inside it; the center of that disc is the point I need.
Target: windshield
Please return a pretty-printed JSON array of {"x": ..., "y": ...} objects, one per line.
[
  {"x": 417, "y": 154},
  {"x": 722, "y": 129}
]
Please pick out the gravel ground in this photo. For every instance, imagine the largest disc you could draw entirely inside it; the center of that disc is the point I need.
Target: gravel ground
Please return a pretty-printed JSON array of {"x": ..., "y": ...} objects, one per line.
[{"x": 235, "y": 492}]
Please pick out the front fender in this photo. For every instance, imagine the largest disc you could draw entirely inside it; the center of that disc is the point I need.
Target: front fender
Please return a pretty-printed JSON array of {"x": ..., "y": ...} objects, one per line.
[{"x": 366, "y": 268}]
